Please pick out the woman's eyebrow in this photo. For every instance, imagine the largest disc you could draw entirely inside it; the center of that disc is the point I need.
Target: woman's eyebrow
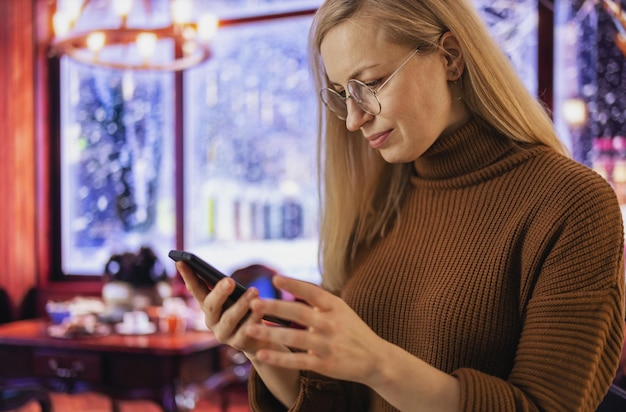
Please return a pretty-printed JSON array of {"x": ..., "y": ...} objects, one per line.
[{"x": 356, "y": 74}]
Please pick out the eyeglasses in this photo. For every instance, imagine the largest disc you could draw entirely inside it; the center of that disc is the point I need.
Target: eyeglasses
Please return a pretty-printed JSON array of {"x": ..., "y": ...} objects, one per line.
[{"x": 362, "y": 94}]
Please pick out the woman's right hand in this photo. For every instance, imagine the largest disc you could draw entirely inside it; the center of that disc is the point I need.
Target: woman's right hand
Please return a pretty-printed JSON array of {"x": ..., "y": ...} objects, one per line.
[
  {"x": 230, "y": 328},
  {"x": 228, "y": 325}
]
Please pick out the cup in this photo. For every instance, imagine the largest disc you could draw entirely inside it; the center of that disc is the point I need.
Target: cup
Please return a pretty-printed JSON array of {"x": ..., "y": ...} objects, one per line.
[
  {"x": 136, "y": 320},
  {"x": 172, "y": 323},
  {"x": 58, "y": 312}
]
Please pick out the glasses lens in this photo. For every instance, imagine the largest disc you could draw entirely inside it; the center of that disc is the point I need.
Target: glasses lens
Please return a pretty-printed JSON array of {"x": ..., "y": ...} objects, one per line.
[
  {"x": 335, "y": 102},
  {"x": 364, "y": 97}
]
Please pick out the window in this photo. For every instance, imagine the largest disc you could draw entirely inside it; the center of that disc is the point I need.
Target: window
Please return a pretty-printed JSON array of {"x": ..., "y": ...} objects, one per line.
[
  {"x": 117, "y": 185},
  {"x": 514, "y": 26},
  {"x": 590, "y": 73},
  {"x": 250, "y": 186},
  {"x": 249, "y": 178}
]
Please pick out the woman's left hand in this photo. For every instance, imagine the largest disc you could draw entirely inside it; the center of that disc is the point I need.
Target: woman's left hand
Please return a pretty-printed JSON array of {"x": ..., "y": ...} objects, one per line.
[
  {"x": 334, "y": 342},
  {"x": 337, "y": 343}
]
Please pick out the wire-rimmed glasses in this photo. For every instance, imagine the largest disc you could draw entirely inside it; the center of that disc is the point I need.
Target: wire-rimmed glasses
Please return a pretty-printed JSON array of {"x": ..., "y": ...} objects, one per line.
[{"x": 364, "y": 96}]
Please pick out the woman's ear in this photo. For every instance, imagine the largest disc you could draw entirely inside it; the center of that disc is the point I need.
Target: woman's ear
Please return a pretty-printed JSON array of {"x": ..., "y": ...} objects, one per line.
[{"x": 455, "y": 63}]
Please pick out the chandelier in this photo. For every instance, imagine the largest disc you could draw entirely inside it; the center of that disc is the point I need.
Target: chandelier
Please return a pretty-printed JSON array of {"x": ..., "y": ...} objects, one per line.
[{"x": 148, "y": 35}]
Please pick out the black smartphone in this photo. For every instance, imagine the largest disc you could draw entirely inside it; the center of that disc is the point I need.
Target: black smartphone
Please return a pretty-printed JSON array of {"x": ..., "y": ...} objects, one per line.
[{"x": 211, "y": 276}]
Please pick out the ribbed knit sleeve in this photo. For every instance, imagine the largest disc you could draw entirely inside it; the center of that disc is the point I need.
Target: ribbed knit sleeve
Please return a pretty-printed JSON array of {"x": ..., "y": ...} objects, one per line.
[{"x": 317, "y": 394}]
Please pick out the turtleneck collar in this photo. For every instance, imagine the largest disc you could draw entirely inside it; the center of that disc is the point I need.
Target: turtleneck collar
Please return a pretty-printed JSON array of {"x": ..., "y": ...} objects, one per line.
[{"x": 472, "y": 147}]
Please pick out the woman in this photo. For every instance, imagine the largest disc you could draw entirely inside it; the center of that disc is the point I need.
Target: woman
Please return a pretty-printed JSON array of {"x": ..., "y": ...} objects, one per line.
[{"x": 467, "y": 263}]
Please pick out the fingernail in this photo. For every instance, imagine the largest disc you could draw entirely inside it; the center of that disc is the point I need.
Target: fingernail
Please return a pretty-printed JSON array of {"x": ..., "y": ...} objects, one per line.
[
  {"x": 251, "y": 293},
  {"x": 257, "y": 304}
]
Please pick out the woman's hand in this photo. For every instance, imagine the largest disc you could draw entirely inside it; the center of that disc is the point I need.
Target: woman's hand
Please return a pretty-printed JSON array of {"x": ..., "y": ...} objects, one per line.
[
  {"x": 334, "y": 342},
  {"x": 228, "y": 325}
]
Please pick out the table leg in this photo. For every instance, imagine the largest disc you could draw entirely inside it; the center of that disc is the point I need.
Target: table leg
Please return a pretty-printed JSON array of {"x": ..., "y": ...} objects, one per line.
[{"x": 168, "y": 399}]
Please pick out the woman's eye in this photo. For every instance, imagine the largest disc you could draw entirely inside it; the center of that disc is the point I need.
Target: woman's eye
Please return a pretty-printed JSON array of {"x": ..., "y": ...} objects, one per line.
[{"x": 373, "y": 84}]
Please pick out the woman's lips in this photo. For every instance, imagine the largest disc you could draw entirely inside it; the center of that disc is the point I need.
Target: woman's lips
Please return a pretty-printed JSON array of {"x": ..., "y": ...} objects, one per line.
[{"x": 377, "y": 140}]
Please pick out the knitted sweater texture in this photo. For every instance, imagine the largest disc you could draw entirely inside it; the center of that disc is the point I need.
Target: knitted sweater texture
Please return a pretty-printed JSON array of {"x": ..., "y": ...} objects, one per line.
[{"x": 504, "y": 269}]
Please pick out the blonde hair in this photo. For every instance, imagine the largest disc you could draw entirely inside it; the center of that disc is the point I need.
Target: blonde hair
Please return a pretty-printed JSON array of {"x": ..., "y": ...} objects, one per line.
[{"x": 361, "y": 194}]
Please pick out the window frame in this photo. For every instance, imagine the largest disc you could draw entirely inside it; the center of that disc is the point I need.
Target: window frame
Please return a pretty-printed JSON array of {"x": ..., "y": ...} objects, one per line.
[{"x": 49, "y": 235}]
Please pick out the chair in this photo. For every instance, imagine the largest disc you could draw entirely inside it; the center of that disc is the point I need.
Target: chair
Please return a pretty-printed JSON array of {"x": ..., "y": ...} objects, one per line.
[
  {"x": 5, "y": 307},
  {"x": 18, "y": 394},
  {"x": 614, "y": 400},
  {"x": 235, "y": 366}
]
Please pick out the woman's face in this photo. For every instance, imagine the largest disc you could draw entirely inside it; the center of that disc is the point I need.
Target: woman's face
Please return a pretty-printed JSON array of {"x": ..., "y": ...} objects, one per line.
[{"x": 416, "y": 105}]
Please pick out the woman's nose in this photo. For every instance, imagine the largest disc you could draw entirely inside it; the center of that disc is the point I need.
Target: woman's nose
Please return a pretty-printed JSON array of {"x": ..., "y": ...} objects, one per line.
[{"x": 356, "y": 117}]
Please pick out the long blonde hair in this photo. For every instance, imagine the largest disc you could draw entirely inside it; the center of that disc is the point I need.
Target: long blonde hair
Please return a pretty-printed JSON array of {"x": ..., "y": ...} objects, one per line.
[{"x": 361, "y": 194}]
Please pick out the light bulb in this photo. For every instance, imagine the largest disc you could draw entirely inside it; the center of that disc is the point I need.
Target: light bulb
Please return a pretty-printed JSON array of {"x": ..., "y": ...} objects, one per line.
[
  {"x": 189, "y": 33},
  {"x": 146, "y": 44},
  {"x": 189, "y": 48},
  {"x": 95, "y": 41},
  {"x": 72, "y": 10},
  {"x": 122, "y": 7},
  {"x": 61, "y": 24},
  {"x": 574, "y": 112},
  {"x": 181, "y": 11},
  {"x": 207, "y": 27}
]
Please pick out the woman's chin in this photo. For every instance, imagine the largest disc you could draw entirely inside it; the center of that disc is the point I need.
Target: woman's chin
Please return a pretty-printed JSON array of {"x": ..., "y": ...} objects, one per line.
[{"x": 393, "y": 155}]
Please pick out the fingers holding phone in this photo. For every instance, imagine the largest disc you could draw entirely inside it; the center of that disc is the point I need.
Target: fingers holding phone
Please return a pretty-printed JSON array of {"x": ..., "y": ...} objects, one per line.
[
  {"x": 222, "y": 315},
  {"x": 221, "y": 312},
  {"x": 214, "y": 298},
  {"x": 193, "y": 283}
]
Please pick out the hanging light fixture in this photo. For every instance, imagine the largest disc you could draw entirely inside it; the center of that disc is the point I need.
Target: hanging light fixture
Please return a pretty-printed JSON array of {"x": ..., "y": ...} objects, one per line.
[{"x": 177, "y": 44}]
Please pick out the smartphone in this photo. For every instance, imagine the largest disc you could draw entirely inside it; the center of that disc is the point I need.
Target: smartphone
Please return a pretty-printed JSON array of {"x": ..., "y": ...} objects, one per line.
[{"x": 211, "y": 276}]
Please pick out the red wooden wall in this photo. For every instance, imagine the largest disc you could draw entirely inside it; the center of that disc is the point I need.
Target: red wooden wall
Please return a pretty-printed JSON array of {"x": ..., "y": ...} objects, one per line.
[{"x": 18, "y": 267}]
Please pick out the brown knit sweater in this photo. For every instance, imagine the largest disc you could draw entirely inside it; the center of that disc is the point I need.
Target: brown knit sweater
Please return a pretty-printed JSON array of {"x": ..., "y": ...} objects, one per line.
[{"x": 504, "y": 269}]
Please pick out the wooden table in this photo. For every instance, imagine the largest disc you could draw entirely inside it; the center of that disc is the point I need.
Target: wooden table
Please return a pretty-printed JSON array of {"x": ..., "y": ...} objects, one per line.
[{"x": 151, "y": 367}]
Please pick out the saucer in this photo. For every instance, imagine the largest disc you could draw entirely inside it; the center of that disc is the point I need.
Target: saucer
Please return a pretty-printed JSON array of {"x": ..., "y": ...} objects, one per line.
[{"x": 126, "y": 329}]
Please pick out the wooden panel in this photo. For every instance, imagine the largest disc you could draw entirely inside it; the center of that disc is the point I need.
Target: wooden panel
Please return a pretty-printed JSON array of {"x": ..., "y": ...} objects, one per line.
[
  {"x": 16, "y": 362},
  {"x": 44, "y": 130},
  {"x": 17, "y": 158}
]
